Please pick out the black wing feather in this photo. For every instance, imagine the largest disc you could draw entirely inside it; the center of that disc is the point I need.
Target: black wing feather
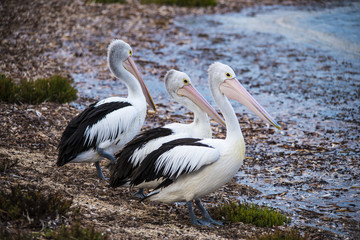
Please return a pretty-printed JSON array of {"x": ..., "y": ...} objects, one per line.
[
  {"x": 124, "y": 167},
  {"x": 147, "y": 170},
  {"x": 73, "y": 140}
]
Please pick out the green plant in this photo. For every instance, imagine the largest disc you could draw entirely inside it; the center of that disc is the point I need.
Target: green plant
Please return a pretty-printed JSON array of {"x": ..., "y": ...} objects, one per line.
[
  {"x": 41, "y": 91},
  {"x": 75, "y": 231},
  {"x": 27, "y": 204},
  {"x": 26, "y": 91},
  {"x": 7, "y": 89},
  {"x": 250, "y": 213},
  {"x": 54, "y": 89},
  {"x": 182, "y": 3},
  {"x": 291, "y": 234},
  {"x": 60, "y": 89}
]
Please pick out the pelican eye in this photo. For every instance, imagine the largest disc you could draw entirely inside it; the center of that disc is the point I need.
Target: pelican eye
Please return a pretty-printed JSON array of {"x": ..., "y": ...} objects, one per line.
[
  {"x": 185, "y": 81},
  {"x": 228, "y": 75},
  {"x": 130, "y": 52}
]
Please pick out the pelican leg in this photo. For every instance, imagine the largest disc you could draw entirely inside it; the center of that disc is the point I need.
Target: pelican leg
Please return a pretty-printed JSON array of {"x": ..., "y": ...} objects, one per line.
[
  {"x": 140, "y": 193},
  {"x": 194, "y": 221},
  {"x": 99, "y": 171},
  {"x": 205, "y": 214},
  {"x": 106, "y": 155}
]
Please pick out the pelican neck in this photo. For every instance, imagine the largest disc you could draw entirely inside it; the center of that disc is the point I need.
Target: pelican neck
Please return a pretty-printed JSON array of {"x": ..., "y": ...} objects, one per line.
[
  {"x": 233, "y": 130},
  {"x": 133, "y": 85},
  {"x": 201, "y": 121}
]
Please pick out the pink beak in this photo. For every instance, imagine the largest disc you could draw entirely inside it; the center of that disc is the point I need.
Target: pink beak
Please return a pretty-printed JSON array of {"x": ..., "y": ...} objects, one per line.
[
  {"x": 234, "y": 90},
  {"x": 190, "y": 92},
  {"x": 129, "y": 65}
]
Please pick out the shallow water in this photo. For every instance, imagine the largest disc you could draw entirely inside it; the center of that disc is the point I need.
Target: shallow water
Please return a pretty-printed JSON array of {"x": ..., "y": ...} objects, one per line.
[
  {"x": 335, "y": 30},
  {"x": 303, "y": 66}
]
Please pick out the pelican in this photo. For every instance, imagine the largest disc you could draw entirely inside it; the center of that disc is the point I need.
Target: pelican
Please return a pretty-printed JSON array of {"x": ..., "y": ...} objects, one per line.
[
  {"x": 179, "y": 86},
  {"x": 193, "y": 167},
  {"x": 107, "y": 125}
]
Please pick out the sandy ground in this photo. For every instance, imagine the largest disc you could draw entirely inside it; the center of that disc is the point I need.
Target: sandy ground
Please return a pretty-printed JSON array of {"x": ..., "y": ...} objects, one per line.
[
  {"x": 34, "y": 132},
  {"x": 33, "y": 36}
]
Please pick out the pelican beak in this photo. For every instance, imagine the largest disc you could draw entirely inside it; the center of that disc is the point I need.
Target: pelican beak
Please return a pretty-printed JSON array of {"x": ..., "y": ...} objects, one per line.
[
  {"x": 190, "y": 92},
  {"x": 129, "y": 65},
  {"x": 234, "y": 90}
]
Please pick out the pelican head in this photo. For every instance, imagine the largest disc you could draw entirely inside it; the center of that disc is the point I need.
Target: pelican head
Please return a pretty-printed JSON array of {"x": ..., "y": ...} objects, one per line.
[
  {"x": 179, "y": 86},
  {"x": 119, "y": 58},
  {"x": 224, "y": 78},
  {"x": 118, "y": 49}
]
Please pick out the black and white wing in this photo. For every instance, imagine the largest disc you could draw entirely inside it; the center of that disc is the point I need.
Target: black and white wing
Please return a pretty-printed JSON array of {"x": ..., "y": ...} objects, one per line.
[
  {"x": 129, "y": 158},
  {"x": 77, "y": 138},
  {"x": 173, "y": 159}
]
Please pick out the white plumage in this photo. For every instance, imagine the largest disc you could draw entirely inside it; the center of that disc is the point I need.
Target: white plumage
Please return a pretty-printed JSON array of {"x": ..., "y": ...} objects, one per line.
[
  {"x": 191, "y": 168},
  {"x": 106, "y": 131},
  {"x": 106, "y": 126},
  {"x": 185, "y": 158},
  {"x": 179, "y": 86}
]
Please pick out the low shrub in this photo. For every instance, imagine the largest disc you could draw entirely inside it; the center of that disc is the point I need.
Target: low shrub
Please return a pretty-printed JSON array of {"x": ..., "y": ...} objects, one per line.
[
  {"x": 7, "y": 89},
  {"x": 75, "y": 231},
  {"x": 59, "y": 89},
  {"x": 26, "y": 205},
  {"x": 291, "y": 234},
  {"x": 260, "y": 216},
  {"x": 54, "y": 89}
]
